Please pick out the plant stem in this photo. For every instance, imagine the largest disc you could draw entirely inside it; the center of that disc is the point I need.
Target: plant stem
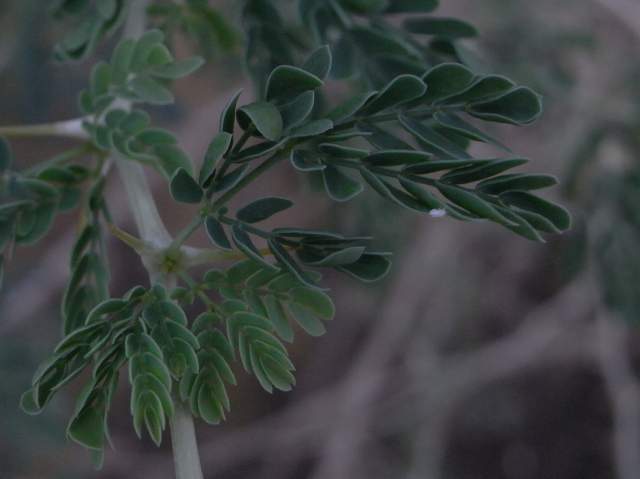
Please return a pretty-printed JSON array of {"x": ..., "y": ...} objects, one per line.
[
  {"x": 183, "y": 439},
  {"x": 152, "y": 229},
  {"x": 70, "y": 128},
  {"x": 186, "y": 233}
]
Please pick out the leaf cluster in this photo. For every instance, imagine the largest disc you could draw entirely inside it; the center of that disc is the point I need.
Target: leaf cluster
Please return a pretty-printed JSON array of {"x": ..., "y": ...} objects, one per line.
[
  {"x": 94, "y": 20},
  {"x": 30, "y": 201},
  {"x": 203, "y": 24},
  {"x": 407, "y": 141}
]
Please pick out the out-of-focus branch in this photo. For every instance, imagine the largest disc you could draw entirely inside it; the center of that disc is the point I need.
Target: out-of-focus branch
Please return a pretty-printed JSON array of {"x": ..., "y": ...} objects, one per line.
[
  {"x": 626, "y": 12},
  {"x": 623, "y": 389},
  {"x": 557, "y": 332}
]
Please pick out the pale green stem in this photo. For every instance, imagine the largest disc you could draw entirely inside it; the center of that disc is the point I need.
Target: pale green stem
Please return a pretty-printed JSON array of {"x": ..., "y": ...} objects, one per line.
[
  {"x": 70, "y": 128},
  {"x": 185, "y": 445},
  {"x": 145, "y": 213},
  {"x": 152, "y": 230}
]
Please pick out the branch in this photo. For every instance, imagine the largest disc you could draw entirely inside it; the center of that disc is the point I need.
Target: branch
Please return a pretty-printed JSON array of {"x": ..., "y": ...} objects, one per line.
[
  {"x": 69, "y": 128},
  {"x": 623, "y": 389}
]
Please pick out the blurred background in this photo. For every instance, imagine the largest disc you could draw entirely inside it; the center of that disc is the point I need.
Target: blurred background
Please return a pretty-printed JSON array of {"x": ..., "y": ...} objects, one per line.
[{"x": 480, "y": 356}]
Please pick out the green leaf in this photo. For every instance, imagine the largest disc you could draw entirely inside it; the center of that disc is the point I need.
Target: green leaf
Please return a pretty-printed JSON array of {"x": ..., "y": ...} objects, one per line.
[
  {"x": 445, "y": 80},
  {"x": 339, "y": 151},
  {"x": 559, "y": 216},
  {"x": 243, "y": 242},
  {"x": 228, "y": 115},
  {"x": 100, "y": 79},
  {"x": 319, "y": 62},
  {"x": 397, "y": 157},
  {"x": 285, "y": 259},
  {"x": 278, "y": 317},
  {"x": 481, "y": 89},
  {"x": 400, "y": 90},
  {"x": 121, "y": 61},
  {"x": 378, "y": 184},
  {"x": 39, "y": 224},
  {"x": 313, "y": 128},
  {"x": 457, "y": 125},
  {"x": 218, "y": 147},
  {"x": 134, "y": 122},
  {"x": 87, "y": 428},
  {"x": 178, "y": 69},
  {"x": 258, "y": 150},
  {"x": 184, "y": 188},
  {"x": 149, "y": 363},
  {"x": 424, "y": 197},
  {"x": 316, "y": 301},
  {"x": 156, "y": 136},
  {"x": 412, "y": 6},
  {"x": 469, "y": 174},
  {"x": 216, "y": 233},
  {"x": 382, "y": 139},
  {"x": 519, "y": 106},
  {"x": 260, "y": 351},
  {"x": 351, "y": 106},
  {"x": 266, "y": 118},
  {"x": 159, "y": 55},
  {"x": 439, "y": 144},
  {"x": 143, "y": 48},
  {"x": 379, "y": 42},
  {"x": 141, "y": 342},
  {"x": 153, "y": 419},
  {"x": 473, "y": 203},
  {"x": 305, "y": 160},
  {"x": 365, "y": 6},
  {"x": 369, "y": 268},
  {"x": 338, "y": 185},
  {"x": 262, "y": 209},
  {"x": 307, "y": 320},
  {"x": 449, "y": 28},
  {"x": 297, "y": 111},
  {"x": 171, "y": 158},
  {"x": 230, "y": 179},
  {"x": 151, "y": 91},
  {"x": 28, "y": 404},
  {"x": 526, "y": 182},
  {"x": 521, "y": 226},
  {"x": 441, "y": 165},
  {"x": 288, "y": 81},
  {"x": 339, "y": 258}
]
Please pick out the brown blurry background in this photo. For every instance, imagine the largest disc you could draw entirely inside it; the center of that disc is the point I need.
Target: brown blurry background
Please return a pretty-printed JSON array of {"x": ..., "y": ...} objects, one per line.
[{"x": 480, "y": 356}]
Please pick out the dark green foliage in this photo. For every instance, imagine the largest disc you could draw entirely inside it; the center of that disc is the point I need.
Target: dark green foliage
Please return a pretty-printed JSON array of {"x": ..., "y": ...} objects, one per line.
[
  {"x": 449, "y": 28},
  {"x": 431, "y": 111},
  {"x": 369, "y": 45},
  {"x": 404, "y": 130},
  {"x": 138, "y": 73},
  {"x": 30, "y": 202},
  {"x": 263, "y": 209},
  {"x": 206, "y": 390},
  {"x": 93, "y": 21},
  {"x": 184, "y": 188},
  {"x": 89, "y": 271},
  {"x": 203, "y": 24}
]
